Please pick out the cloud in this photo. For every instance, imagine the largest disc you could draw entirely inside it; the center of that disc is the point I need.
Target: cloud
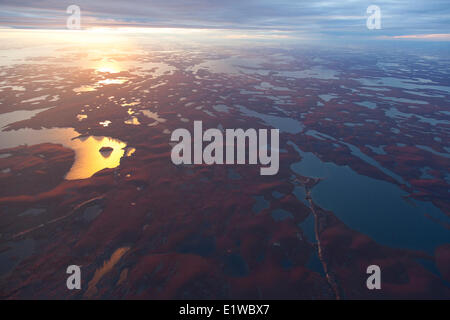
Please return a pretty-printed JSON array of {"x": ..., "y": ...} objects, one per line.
[
  {"x": 434, "y": 36},
  {"x": 332, "y": 17}
]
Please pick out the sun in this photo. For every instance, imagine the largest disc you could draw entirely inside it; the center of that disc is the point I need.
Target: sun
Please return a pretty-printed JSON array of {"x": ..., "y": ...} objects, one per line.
[{"x": 108, "y": 66}]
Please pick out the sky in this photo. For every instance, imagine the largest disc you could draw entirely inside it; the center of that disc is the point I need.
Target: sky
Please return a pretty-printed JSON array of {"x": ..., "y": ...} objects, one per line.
[{"x": 401, "y": 19}]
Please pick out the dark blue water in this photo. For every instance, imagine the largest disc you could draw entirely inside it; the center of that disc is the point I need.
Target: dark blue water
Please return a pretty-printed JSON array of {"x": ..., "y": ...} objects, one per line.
[{"x": 373, "y": 207}]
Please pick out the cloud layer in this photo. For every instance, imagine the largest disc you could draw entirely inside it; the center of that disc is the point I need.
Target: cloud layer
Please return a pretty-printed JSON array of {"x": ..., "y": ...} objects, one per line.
[{"x": 332, "y": 18}]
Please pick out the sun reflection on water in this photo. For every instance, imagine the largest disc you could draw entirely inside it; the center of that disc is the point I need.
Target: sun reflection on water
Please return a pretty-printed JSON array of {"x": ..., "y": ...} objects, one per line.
[
  {"x": 108, "y": 265},
  {"x": 89, "y": 160},
  {"x": 113, "y": 81},
  {"x": 108, "y": 66}
]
